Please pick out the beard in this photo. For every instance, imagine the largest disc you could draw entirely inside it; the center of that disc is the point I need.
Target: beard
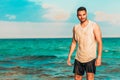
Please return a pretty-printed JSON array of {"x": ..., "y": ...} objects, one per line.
[{"x": 83, "y": 20}]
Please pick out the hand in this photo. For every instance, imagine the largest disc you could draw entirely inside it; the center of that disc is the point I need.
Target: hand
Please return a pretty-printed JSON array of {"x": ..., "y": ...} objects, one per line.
[
  {"x": 68, "y": 62},
  {"x": 98, "y": 62}
]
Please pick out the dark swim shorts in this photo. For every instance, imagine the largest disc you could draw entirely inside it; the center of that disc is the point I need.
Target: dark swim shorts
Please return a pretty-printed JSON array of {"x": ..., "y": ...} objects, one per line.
[{"x": 80, "y": 68}]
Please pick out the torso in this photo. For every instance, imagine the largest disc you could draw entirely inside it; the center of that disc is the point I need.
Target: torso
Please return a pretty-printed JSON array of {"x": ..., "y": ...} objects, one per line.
[{"x": 86, "y": 42}]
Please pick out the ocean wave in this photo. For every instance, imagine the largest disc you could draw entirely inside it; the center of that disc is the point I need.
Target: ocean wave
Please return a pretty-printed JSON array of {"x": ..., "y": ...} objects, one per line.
[
  {"x": 108, "y": 50},
  {"x": 54, "y": 49},
  {"x": 42, "y": 57},
  {"x": 6, "y": 61}
]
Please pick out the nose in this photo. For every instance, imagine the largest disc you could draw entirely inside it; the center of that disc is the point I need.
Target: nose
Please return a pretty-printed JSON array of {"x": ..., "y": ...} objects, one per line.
[{"x": 82, "y": 16}]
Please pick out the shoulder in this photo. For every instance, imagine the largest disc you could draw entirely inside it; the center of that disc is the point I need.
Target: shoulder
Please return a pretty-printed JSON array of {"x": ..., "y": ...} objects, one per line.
[
  {"x": 76, "y": 26},
  {"x": 94, "y": 24}
]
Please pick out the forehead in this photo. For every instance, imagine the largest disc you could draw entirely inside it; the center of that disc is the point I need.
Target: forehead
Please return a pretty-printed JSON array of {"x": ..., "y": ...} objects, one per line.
[{"x": 81, "y": 12}]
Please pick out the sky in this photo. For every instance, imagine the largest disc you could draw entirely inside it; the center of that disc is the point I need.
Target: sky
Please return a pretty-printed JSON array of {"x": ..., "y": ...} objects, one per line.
[{"x": 55, "y": 18}]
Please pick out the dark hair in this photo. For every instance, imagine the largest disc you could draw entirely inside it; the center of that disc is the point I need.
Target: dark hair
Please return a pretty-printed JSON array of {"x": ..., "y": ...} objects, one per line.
[{"x": 81, "y": 9}]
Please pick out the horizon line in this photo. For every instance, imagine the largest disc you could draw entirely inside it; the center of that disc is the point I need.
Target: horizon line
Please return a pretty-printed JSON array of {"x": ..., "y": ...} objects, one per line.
[{"x": 47, "y": 37}]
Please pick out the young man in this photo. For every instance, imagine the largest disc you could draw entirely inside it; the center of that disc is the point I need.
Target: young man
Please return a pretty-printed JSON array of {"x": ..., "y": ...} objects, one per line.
[{"x": 87, "y": 35}]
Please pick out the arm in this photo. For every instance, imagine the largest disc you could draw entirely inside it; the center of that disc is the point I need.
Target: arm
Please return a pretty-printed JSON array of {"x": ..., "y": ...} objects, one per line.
[
  {"x": 72, "y": 48},
  {"x": 98, "y": 37}
]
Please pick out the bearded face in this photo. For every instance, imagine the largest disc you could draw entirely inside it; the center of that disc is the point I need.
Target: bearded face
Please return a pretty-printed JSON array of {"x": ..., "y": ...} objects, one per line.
[{"x": 82, "y": 16}]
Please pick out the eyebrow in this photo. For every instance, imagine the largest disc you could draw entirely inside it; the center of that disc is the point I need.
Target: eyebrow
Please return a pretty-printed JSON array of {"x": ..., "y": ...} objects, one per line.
[{"x": 80, "y": 14}]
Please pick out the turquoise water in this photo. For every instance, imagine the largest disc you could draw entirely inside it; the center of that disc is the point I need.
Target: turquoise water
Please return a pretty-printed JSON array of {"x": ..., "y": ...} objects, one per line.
[{"x": 45, "y": 59}]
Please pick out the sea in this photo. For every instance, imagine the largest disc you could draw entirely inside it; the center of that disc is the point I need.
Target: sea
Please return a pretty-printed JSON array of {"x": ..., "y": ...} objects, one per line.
[{"x": 45, "y": 59}]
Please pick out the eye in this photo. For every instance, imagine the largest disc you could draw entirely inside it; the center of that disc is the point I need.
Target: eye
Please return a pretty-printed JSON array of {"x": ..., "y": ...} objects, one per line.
[
  {"x": 84, "y": 14},
  {"x": 78, "y": 15}
]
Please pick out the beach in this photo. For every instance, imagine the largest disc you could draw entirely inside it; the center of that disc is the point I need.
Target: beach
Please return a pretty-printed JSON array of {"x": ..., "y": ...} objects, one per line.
[{"x": 45, "y": 59}]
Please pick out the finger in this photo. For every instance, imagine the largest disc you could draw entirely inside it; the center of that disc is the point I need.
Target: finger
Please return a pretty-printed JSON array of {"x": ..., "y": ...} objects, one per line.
[
  {"x": 97, "y": 64},
  {"x": 69, "y": 64}
]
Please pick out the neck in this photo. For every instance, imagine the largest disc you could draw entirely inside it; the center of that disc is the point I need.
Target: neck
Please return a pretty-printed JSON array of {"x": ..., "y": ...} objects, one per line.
[{"x": 84, "y": 24}]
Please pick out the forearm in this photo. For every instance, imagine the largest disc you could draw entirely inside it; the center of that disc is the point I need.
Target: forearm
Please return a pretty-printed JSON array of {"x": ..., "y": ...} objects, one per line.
[
  {"x": 72, "y": 48},
  {"x": 99, "y": 49}
]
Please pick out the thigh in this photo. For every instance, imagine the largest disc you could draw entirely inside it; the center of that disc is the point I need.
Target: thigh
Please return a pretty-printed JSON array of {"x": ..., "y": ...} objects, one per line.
[
  {"x": 90, "y": 67},
  {"x": 79, "y": 68}
]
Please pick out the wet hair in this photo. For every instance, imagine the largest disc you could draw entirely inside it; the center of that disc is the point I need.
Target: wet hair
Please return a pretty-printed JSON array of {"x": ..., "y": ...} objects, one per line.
[{"x": 82, "y": 9}]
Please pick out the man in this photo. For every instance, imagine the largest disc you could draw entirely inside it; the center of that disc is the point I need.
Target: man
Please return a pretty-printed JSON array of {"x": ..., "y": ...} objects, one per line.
[{"x": 87, "y": 35}]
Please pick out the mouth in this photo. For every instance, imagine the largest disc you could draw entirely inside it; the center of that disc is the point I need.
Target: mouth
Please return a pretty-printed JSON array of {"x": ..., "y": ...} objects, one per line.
[{"x": 82, "y": 19}]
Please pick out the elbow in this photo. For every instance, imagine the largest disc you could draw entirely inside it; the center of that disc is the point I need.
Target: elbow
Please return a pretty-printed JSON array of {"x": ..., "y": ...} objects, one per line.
[
  {"x": 100, "y": 44},
  {"x": 99, "y": 41},
  {"x": 73, "y": 45}
]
